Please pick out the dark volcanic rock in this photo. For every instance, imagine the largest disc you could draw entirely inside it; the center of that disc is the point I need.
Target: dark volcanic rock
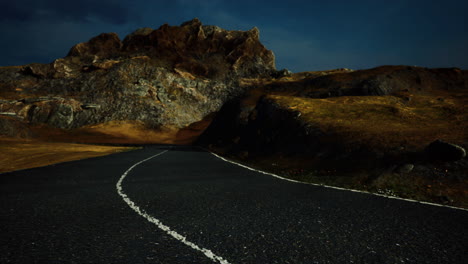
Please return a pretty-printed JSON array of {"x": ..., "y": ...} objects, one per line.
[{"x": 440, "y": 150}]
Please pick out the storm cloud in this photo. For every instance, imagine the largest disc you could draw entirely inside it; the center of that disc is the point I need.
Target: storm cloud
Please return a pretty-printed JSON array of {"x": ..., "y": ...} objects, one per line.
[
  {"x": 84, "y": 11},
  {"x": 304, "y": 35}
]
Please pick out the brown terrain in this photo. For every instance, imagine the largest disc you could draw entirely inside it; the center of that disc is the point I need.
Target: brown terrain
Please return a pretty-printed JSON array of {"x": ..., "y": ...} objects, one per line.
[
  {"x": 395, "y": 130},
  {"x": 369, "y": 129}
]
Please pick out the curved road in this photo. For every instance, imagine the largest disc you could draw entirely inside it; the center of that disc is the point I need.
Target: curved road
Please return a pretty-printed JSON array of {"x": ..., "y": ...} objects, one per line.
[{"x": 74, "y": 213}]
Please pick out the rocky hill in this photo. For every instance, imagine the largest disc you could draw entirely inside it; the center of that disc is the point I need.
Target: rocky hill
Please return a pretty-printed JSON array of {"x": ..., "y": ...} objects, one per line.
[{"x": 154, "y": 80}]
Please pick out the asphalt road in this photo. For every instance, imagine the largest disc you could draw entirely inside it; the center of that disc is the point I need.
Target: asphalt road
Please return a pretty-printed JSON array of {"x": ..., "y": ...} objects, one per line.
[{"x": 73, "y": 213}]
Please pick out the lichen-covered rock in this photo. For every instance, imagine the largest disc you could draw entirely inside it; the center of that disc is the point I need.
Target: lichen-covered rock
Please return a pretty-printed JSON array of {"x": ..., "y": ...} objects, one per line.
[{"x": 61, "y": 116}]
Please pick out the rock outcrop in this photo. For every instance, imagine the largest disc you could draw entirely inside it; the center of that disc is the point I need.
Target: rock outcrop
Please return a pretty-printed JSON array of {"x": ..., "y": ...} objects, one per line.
[
  {"x": 207, "y": 51},
  {"x": 270, "y": 129},
  {"x": 169, "y": 77}
]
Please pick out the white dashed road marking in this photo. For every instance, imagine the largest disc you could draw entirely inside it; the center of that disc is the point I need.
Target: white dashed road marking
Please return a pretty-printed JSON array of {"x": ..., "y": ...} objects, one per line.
[
  {"x": 208, "y": 253},
  {"x": 157, "y": 222}
]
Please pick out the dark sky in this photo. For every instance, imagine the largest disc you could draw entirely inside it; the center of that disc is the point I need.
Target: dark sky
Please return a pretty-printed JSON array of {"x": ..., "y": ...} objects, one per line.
[{"x": 304, "y": 35}]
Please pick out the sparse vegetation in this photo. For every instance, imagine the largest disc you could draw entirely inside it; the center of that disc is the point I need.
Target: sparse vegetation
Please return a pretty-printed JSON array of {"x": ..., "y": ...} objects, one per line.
[{"x": 384, "y": 121}]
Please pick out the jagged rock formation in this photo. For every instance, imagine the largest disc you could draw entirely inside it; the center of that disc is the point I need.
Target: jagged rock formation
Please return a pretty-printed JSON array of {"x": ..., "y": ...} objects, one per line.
[
  {"x": 207, "y": 51},
  {"x": 169, "y": 77}
]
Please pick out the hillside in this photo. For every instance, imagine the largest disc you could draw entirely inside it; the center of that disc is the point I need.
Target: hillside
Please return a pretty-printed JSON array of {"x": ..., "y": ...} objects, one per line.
[{"x": 368, "y": 129}]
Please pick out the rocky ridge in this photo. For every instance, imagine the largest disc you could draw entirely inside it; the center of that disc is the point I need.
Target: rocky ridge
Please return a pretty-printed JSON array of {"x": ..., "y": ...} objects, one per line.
[{"x": 172, "y": 77}]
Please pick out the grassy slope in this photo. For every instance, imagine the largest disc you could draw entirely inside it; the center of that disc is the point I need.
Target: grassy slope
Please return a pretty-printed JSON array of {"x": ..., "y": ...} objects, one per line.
[
  {"x": 386, "y": 121},
  {"x": 19, "y": 154}
]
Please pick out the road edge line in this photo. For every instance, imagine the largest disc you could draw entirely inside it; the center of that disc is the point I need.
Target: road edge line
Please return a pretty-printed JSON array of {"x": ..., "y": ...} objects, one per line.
[
  {"x": 336, "y": 188},
  {"x": 208, "y": 253}
]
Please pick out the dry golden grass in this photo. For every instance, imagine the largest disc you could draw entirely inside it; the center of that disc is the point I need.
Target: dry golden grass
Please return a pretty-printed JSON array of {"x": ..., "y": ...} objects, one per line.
[
  {"x": 128, "y": 132},
  {"x": 53, "y": 145},
  {"x": 385, "y": 120},
  {"x": 123, "y": 132},
  {"x": 344, "y": 76},
  {"x": 11, "y": 67},
  {"x": 18, "y": 154}
]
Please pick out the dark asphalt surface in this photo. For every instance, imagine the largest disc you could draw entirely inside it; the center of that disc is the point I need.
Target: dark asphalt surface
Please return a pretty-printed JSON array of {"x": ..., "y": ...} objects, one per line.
[{"x": 72, "y": 213}]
